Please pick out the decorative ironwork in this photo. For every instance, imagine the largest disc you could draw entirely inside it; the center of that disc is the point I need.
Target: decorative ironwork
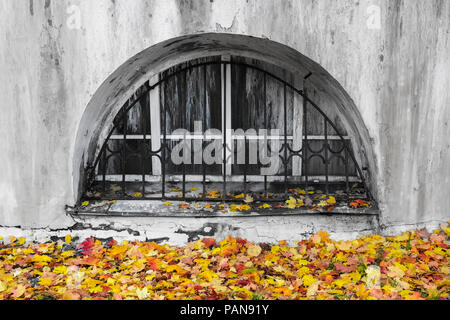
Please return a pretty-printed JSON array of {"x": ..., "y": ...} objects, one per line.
[{"x": 146, "y": 185}]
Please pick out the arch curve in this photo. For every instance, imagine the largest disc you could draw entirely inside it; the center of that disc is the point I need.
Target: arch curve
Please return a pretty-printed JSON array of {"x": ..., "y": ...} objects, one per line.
[{"x": 99, "y": 114}]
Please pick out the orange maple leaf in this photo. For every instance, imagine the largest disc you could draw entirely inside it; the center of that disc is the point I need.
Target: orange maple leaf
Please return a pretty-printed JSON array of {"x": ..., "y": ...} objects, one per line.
[{"x": 209, "y": 242}]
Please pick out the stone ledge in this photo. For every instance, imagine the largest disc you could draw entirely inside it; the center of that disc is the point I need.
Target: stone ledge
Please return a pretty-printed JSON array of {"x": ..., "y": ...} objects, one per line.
[
  {"x": 258, "y": 229},
  {"x": 148, "y": 208}
]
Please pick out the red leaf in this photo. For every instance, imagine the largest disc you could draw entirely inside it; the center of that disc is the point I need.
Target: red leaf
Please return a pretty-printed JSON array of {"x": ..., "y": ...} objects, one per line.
[
  {"x": 345, "y": 269},
  {"x": 86, "y": 261},
  {"x": 111, "y": 243},
  {"x": 209, "y": 242},
  {"x": 243, "y": 282},
  {"x": 152, "y": 264},
  {"x": 354, "y": 205},
  {"x": 87, "y": 245},
  {"x": 239, "y": 267}
]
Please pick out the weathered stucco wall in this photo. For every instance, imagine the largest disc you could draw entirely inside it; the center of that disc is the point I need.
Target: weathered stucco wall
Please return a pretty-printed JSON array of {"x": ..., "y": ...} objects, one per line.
[{"x": 54, "y": 55}]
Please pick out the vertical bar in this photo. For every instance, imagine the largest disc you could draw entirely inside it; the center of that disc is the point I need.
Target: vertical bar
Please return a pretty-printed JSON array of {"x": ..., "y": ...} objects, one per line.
[
  {"x": 285, "y": 146},
  {"x": 164, "y": 145},
  {"x": 185, "y": 125},
  {"x": 104, "y": 160},
  {"x": 245, "y": 116},
  {"x": 155, "y": 124},
  {"x": 124, "y": 147},
  {"x": 227, "y": 111},
  {"x": 297, "y": 134},
  {"x": 224, "y": 142},
  {"x": 245, "y": 165},
  {"x": 204, "y": 129},
  {"x": 347, "y": 187},
  {"x": 144, "y": 121},
  {"x": 326, "y": 155},
  {"x": 266, "y": 127},
  {"x": 305, "y": 128}
]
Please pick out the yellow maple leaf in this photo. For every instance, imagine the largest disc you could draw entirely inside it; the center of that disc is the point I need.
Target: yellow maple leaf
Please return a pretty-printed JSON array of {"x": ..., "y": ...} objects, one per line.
[
  {"x": 137, "y": 195},
  {"x": 254, "y": 250},
  {"x": 209, "y": 275},
  {"x": 331, "y": 200},
  {"x": 216, "y": 284},
  {"x": 248, "y": 199},
  {"x": 60, "y": 269},
  {"x": 234, "y": 208},
  {"x": 3, "y": 286},
  {"x": 373, "y": 276},
  {"x": 142, "y": 293},
  {"x": 167, "y": 203},
  {"x": 322, "y": 204},
  {"x": 308, "y": 280},
  {"x": 68, "y": 253},
  {"x": 395, "y": 272},
  {"x": 45, "y": 281},
  {"x": 402, "y": 237},
  {"x": 213, "y": 194},
  {"x": 292, "y": 203},
  {"x": 18, "y": 291},
  {"x": 96, "y": 289},
  {"x": 343, "y": 245},
  {"x": 41, "y": 259},
  {"x": 312, "y": 290},
  {"x": 341, "y": 282},
  {"x": 176, "y": 268},
  {"x": 324, "y": 236},
  {"x": 85, "y": 204},
  {"x": 68, "y": 239},
  {"x": 315, "y": 238},
  {"x": 355, "y": 276}
]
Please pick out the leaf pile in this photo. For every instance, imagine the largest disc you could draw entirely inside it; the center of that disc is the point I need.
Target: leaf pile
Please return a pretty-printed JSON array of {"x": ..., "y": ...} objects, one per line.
[{"x": 414, "y": 265}]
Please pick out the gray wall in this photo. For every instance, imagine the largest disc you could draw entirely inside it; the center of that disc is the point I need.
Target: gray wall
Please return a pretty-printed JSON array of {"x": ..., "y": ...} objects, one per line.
[{"x": 52, "y": 64}]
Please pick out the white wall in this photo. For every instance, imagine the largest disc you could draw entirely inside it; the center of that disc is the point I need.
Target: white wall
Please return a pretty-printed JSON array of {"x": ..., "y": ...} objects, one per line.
[{"x": 54, "y": 55}]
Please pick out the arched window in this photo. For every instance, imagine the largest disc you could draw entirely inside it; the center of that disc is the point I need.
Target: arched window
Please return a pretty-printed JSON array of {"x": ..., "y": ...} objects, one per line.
[{"x": 223, "y": 128}]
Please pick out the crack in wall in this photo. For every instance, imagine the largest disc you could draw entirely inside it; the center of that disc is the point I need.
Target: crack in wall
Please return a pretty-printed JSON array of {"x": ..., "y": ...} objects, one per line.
[{"x": 207, "y": 230}]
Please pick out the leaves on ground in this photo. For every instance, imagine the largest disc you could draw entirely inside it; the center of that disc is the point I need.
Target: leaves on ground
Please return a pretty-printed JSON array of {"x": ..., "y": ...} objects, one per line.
[{"x": 414, "y": 265}]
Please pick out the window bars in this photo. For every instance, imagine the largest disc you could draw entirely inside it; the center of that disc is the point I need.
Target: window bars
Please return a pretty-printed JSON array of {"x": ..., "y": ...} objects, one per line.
[{"x": 140, "y": 166}]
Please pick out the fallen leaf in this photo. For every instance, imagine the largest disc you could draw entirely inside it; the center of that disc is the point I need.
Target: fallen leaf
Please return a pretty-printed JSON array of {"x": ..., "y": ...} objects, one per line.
[
  {"x": 248, "y": 199},
  {"x": 254, "y": 250},
  {"x": 291, "y": 203}
]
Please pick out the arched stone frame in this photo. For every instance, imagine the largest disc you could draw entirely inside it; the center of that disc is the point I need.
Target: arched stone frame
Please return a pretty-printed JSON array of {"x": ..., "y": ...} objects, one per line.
[{"x": 114, "y": 92}]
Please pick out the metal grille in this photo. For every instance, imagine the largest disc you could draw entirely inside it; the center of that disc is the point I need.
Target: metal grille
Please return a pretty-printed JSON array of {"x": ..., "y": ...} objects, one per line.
[{"x": 153, "y": 177}]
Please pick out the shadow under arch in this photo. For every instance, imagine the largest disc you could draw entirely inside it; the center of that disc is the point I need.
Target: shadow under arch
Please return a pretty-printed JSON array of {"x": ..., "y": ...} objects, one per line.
[{"x": 97, "y": 119}]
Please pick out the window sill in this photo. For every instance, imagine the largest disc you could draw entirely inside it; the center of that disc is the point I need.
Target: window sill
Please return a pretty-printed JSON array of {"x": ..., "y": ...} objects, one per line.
[{"x": 144, "y": 208}]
